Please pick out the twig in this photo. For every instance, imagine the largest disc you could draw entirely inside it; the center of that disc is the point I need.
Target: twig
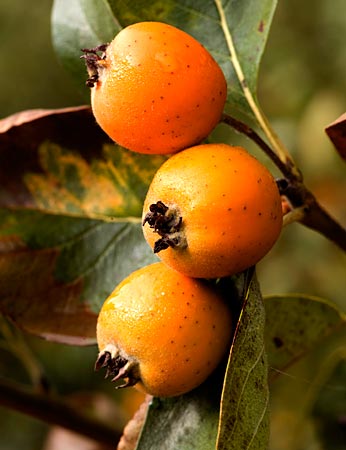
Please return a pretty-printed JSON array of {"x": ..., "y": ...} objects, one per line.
[
  {"x": 243, "y": 128},
  {"x": 318, "y": 219},
  {"x": 54, "y": 411},
  {"x": 295, "y": 215}
]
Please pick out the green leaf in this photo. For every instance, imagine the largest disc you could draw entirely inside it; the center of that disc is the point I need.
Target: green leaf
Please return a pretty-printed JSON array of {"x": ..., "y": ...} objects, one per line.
[
  {"x": 186, "y": 422},
  {"x": 80, "y": 23},
  {"x": 58, "y": 270},
  {"x": 244, "y": 422},
  {"x": 295, "y": 324},
  {"x": 313, "y": 330},
  {"x": 70, "y": 220}
]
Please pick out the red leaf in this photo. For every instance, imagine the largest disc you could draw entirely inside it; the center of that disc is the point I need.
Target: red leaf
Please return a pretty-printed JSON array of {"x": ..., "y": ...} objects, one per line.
[
  {"x": 336, "y": 132},
  {"x": 37, "y": 303}
]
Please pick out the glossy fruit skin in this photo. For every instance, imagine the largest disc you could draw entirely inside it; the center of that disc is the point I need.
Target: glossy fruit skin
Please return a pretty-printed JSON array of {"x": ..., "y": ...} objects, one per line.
[
  {"x": 176, "y": 328},
  {"x": 158, "y": 90},
  {"x": 229, "y": 205}
]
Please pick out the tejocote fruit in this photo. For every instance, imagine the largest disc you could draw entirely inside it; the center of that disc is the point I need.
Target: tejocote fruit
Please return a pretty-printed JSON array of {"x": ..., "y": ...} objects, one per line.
[
  {"x": 155, "y": 89},
  {"x": 212, "y": 211}
]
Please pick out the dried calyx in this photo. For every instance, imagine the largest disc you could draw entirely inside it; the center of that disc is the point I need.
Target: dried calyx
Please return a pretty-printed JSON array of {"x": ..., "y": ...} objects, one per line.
[
  {"x": 93, "y": 57},
  {"x": 118, "y": 367},
  {"x": 167, "y": 223}
]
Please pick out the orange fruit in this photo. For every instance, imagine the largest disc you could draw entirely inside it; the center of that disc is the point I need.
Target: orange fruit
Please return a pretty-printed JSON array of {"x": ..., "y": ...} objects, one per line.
[
  {"x": 212, "y": 211},
  {"x": 162, "y": 331},
  {"x": 155, "y": 89}
]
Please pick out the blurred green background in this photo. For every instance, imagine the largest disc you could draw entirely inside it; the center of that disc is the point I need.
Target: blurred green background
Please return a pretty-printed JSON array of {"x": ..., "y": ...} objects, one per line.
[
  {"x": 302, "y": 88},
  {"x": 30, "y": 74}
]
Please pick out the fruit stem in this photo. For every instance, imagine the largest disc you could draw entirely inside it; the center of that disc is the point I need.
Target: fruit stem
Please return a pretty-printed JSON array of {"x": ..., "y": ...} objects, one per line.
[
  {"x": 167, "y": 223},
  {"x": 310, "y": 213}
]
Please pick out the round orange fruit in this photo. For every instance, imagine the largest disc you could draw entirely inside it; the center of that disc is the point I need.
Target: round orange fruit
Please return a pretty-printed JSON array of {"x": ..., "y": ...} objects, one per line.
[
  {"x": 212, "y": 211},
  {"x": 155, "y": 89},
  {"x": 162, "y": 331}
]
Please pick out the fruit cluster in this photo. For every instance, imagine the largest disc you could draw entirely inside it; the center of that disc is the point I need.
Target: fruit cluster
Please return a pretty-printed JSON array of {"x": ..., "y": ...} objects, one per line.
[{"x": 211, "y": 211}]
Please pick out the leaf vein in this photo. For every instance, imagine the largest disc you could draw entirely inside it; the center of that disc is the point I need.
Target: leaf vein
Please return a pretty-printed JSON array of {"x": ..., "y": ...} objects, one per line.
[
  {"x": 118, "y": 235},
  {"x": 262, "y": 415},
  {"x": 243, "y": 387},
  {"x": 196, "y": 12}
]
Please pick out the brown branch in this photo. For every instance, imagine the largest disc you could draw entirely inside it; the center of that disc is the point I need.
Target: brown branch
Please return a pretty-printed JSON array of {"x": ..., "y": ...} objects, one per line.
[
  {"x": 54, "y": 411},
  {"x": 318, "y": 219},
  {"x": 312, "y": 214}
]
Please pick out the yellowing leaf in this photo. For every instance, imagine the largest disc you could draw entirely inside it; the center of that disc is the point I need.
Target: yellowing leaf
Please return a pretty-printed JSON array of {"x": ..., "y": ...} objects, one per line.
[{"x": 70, "y": 220}]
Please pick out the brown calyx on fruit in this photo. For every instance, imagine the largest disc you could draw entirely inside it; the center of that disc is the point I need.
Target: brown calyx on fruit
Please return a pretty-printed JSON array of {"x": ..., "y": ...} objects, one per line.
[
  {"x": 117, "y": 366},
  {"x": 166, "y": 222},
  {"x": 94, "y": 58}
]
